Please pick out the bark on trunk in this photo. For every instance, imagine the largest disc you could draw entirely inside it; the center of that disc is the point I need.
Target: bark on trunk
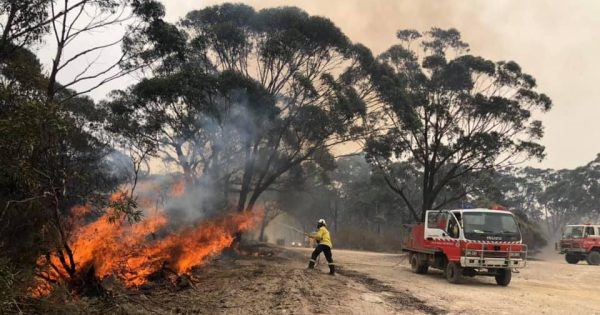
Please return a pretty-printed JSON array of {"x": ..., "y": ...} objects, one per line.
[
  {"x": 263, "y": 226},
  {"x": 335, "y": 215},
  {"x": 247, "y": 178}
]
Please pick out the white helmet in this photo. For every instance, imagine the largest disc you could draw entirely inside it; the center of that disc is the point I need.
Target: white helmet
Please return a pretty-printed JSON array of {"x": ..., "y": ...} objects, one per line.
[{"x": 322, "y": 221}]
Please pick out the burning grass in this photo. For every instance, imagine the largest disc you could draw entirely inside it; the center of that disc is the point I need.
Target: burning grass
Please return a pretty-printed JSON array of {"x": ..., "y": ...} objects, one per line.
[{"x": 133, "y": 251}]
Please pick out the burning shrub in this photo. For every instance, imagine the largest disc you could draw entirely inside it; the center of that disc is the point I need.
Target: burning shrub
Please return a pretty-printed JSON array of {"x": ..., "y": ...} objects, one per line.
[
  {"x": 122, "y": 206},
  {"x": 132, "y": 251}
]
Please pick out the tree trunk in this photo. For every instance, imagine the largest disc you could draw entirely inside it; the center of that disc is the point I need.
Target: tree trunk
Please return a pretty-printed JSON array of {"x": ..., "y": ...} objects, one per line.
[
  {"x": 400, "y": 192},
  {"x": 247, "y": 178},
  {"x": 226, "y": 190},
  {"x": 335, "y": 215},
  {"x": 427, "y": 204},
  {"x": 185, "y": 166},
  {"x": 7, "y": 28},
  {"x": 263, "y": 226},
  {"x": 52, "y": 79}
]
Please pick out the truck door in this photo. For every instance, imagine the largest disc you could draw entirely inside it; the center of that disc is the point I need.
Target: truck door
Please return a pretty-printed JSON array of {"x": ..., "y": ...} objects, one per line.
[
  {"x": 453, "y": 229},
  {"x": 437, "y": 222},
  {"x": 589, "y": 231}
]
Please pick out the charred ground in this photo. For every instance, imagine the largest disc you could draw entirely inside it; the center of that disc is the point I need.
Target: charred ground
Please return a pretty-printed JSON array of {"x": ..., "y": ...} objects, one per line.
[{"x": 259, "y": 280}]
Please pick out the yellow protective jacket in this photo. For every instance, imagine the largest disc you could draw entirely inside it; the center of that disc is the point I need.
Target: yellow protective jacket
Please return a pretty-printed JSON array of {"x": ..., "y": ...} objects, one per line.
[{"x": 322, "y": 236}]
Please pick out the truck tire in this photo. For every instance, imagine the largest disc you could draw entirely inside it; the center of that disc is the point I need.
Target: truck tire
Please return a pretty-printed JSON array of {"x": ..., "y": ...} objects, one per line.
[
  {"x": 503, "y": 277},
  {"x": 453, "y": 272},
  {"x": 593, "y": 258},
  {"x": 417, "y": 265},
  {"x": 571, "y": 259}
]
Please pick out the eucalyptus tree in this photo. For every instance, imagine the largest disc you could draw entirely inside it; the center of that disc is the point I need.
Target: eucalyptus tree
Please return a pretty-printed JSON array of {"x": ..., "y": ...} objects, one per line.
[
  {"x": 250, "y": 94},
  {"x": 571, "y": 195},
  {"x": 24, "y": 22},
  {"x": 451, "y": 113}
]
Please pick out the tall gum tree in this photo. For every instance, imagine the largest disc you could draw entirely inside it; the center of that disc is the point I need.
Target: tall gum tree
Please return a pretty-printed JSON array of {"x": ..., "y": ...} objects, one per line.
[
  {"x": 296, "y": 59},
  {"x": 450, "y": 113},
  {"x": 250, "y": 95}
]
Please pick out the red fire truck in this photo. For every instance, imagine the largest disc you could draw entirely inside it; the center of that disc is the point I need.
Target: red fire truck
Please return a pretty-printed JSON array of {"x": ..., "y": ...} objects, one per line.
[
  {"x": 581, "y": 242},
  {"x": 467, "y": 242}
]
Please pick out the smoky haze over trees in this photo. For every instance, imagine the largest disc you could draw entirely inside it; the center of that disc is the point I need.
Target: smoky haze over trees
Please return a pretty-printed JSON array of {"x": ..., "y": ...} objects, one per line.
[
  {"x": 249, "y": 107},
  {"x": 245, "y": 97}
]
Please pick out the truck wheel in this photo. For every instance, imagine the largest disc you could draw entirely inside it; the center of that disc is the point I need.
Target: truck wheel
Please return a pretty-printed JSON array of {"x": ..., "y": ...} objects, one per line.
[
  {"x": 503, "y": 277},
  {"x": 593, "y": 258},
  {"x": 416, "y": 265},
  {"x": 571, "y": 259},
  {"x": 453, "y": 272}
]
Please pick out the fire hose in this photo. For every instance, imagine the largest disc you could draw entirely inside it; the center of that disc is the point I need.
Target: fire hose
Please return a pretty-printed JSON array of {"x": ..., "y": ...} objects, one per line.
[
  {"x": 305, "y": 234},
  {"x": 295, "y": 229},
  {"x": 347, "y": 264}
]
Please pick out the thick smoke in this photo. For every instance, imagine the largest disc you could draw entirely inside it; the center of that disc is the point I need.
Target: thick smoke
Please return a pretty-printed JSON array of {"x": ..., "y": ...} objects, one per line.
[
  {"x": 118, "y": 165},
  {"x": 205, "y": 193}
]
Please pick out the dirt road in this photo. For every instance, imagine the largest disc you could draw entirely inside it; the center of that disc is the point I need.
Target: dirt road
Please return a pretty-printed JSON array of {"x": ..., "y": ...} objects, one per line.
[
  {"x": 268, "y": 281},
  {"x": 543, "y": 287},
  {"x": 273, "y": 280}
]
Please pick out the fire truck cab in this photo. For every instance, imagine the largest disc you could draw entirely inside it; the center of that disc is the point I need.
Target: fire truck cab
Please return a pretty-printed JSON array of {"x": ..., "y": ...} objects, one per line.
[
  {"x": 467, "y": 242},
  {"x": 581, "y": 242}
]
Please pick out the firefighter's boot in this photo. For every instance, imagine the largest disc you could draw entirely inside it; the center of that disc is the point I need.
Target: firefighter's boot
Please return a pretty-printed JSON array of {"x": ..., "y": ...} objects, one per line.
[
  {"x": 311, "y": 264},
  {"x": 332, "y": 269}
]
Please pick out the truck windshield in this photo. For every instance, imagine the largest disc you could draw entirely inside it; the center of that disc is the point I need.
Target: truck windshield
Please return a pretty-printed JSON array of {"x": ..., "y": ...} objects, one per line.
[
  {"x": 573, "y": 232},
  {"x": 490, "y": 226}
]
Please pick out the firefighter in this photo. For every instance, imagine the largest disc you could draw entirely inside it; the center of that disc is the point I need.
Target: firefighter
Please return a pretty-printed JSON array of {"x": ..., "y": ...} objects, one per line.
[{"x": 323, "y": 239}]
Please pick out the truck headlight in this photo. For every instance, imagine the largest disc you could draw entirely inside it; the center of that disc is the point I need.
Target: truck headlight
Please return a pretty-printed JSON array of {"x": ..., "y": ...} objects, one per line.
[{"x": 514, "y": 255}]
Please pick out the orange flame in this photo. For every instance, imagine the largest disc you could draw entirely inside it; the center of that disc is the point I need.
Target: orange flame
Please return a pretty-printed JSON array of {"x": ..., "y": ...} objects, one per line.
[{"x": 132, "y": 252}]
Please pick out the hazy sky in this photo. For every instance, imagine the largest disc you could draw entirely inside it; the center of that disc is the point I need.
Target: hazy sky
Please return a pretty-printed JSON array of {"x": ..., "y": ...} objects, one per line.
[{"x": 558, "y": 42}]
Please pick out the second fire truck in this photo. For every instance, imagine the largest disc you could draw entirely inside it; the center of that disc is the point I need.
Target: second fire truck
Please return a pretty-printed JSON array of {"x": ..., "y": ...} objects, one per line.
[{"x": 581, "y": 242}]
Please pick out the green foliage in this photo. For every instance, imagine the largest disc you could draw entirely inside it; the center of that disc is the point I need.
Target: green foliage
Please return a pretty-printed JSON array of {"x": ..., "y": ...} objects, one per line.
[
  {"x": 49, "y": 163},
  {"x": 550, "y": 198},
  {"x": 52, "y": 158},
  {"x": 149, "y": 9},
  {"x": 450, "y": 113},
  {"x": 243, "y": 96},
  {"x": 152, "y": 39},
  {"x": 124, "y": 207},
  {"x": 570, "y": 196},
  {"x": 23, "y": 24}
]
